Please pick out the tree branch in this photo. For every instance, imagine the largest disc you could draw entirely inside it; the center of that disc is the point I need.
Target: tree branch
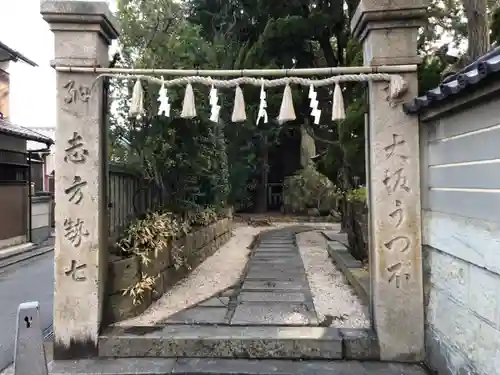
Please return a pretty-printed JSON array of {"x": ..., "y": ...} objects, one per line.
[{"x": 310, "y": 132}]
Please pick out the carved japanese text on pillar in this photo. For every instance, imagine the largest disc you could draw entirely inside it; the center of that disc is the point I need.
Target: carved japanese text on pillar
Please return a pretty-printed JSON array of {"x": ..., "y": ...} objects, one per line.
[
  {"x": 396, "y": 181},
  {"x": 76, "y": 271},
  {"x": 392, "y": 149},
  {"x": 75, "y": 190},
  {"x": 397, "y": 214},
  {"x": 74, "y": 231},
  {"x": 76, "y": 151},
  {"x": 398, "y": 271},
  {"x": 75, "y": 93}
]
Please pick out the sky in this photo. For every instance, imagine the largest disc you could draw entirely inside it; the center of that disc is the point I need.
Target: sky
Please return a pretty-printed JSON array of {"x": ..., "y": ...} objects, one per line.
[{"x": 32, "y": 89}]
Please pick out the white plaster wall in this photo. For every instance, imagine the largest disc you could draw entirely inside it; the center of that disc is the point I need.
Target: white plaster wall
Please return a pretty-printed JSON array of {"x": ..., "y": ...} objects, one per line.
[
  {"x": 4, "y": 65},
  {"x": 461, "y": 238},
  {"x": 40, "y": 215}
]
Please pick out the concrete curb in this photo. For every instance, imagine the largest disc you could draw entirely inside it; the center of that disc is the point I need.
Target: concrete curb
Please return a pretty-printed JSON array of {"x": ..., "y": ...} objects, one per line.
[
  {"x": 25, "y": 254},
  {"x": 356, "y": 275}
]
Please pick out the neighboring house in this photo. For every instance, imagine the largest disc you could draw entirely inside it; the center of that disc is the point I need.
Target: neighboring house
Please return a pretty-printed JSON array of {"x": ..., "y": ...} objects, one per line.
[
  {"x": 460, "y": 169},
  {"x": 21, "y": 212},
  {"x": 43, "y": 162}
]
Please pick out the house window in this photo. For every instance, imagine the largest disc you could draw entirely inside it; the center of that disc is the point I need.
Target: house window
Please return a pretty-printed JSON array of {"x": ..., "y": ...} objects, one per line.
[{"x": 13, "y": 173}]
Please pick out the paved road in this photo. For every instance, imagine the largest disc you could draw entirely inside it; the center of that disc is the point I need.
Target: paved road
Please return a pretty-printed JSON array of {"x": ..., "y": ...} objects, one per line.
[{"x": 30, "y": 280}]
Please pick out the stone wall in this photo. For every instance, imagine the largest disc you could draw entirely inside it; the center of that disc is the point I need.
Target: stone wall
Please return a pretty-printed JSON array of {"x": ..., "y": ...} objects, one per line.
[
  {"x": 124, "y": 272},
  {"x": 356, "y": 227}
]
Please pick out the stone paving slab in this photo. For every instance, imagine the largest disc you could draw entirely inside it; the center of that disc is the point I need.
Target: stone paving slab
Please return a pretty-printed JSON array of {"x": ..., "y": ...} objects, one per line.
[
  {"x": 215, "y": 302},
  {"x": 267, "y": 256},
  {"x": 271, "y": 297},
  {"x": 274, "y": 285},
  {"x": 274, "y": 313},
  {"x": 199, "y": 314},
  {"x": 213, "y": 366},
  {"x": 276, "y": 260},
  {"x": 113, "y": 366},
  {"x": 222, "y": 342},
  {"x": 282, "y": 367},
  {"x": 278, "y": 276},
  {"x": 268, "y": 267}
]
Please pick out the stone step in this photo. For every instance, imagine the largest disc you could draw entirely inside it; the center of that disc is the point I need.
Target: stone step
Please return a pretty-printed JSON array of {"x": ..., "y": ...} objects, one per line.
[
  {"x": 182, "y": 341},
  {"x": 215, "y": 366}
]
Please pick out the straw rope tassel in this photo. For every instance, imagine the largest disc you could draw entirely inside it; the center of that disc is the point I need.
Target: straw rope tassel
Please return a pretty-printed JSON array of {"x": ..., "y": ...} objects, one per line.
[
  {"x": 287, "y": 112},
  {"x": 338, "y": 110},
  {"x": 188, "y": 107},
  {"x": 239, "y": 113},
  {"x": 137, "y": 102}
]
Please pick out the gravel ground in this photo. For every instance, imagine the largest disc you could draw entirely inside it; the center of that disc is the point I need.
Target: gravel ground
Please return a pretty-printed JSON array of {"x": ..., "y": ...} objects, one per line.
[
  {"x": 332, "y": 295},
  {"x": 216, "y": 273}
]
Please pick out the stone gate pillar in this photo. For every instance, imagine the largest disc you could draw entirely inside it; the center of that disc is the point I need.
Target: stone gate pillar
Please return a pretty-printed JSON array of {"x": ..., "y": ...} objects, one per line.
[
  {"x": 82, "y": 31},
  {"x": 388, "y": 31}
]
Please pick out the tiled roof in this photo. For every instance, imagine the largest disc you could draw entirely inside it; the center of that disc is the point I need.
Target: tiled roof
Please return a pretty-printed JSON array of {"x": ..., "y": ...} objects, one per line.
[
  {"x": 14, "y": 55},
  {"x": 25, "y": 133},
  {"x": 468, "y": 79}
]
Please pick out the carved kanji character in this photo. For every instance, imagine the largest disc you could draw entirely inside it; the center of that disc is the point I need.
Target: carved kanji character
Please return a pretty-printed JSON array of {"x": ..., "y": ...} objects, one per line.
[
  {"x": 76, "y": 93},
  {"x": 391, "y": 149},
  {"x": 396, "y": 180},
  {"x": 76, "y": 190},
  {"x": 76, "y": 153},
  {"x": 74, "y": 269},
  {"x": 74, "y": 231}
]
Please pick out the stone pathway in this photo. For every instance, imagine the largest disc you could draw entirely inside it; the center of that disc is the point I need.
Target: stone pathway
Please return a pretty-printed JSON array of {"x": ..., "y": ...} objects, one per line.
[{"x": 272, "y": 291}]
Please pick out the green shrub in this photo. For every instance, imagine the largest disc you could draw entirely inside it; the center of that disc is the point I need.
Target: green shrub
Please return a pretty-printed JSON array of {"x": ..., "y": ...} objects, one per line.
[
  {"x": 309, "y": 189},
  {"x": 359, "y": 194}
]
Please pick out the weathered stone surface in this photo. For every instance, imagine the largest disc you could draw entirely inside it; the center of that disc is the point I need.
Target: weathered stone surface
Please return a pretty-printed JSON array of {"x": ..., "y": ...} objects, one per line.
[
  {"x": 82, "y": 33},
  {"x": 158, "y": 287},
  {"x": 274, "y": 285},
  {"x": 272, "y": 297},
  {"x": 275, "y": 255},
  {"x": 274, "y": 313},
  {"x": 195, "y": 315},
  {"x": 215, "y": 302},
  {"x": 277, "y": 275},
  {"x": 122, "y": 273},
  {"x": 113, "y": 366},
  {"x": 119, "y": 307},
  {"x": 283, "y": 367},
  {"x": 360, "y": 344},
  {"x": 393, "y": 156},
  {"x": 222, "y": 342}
]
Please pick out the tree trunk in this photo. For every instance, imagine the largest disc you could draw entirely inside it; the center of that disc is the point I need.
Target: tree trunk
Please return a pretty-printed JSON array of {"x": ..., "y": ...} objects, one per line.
[{"x": 476, "y": 12}]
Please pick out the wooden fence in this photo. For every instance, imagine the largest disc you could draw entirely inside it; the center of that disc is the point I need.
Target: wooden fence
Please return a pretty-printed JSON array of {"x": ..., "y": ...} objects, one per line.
[{"x": 129, "y": 196}]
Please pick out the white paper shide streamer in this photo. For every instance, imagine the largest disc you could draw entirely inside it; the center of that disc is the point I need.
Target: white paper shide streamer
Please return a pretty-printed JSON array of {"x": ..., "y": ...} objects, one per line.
[
  {"x": 287, "y": 112},
  {"x": 239, "y": 112},
  {"x": 338, "y": 111},
  {"x": 262, "y": 106},
  {"x": 315, "y": 112},
  {"x": 164, "y": 107},
  {"x": 188, "y": 107},
  {"x": 137, "y": 102},
  {"x": 215, "y": 108}
]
